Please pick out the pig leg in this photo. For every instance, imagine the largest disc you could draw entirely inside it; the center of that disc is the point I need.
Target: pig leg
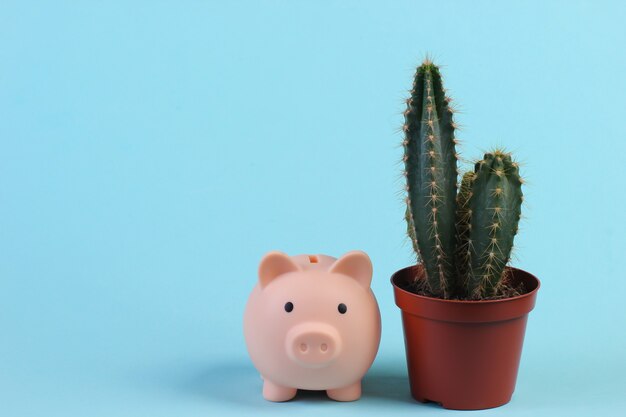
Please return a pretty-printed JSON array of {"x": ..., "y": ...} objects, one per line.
[
  {"x": 349, "y": 393},
  {"x": 277, "y": 393}
]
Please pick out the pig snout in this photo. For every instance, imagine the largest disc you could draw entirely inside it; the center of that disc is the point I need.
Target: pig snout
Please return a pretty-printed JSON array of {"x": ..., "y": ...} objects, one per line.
[{"x": 313, "y": 345}]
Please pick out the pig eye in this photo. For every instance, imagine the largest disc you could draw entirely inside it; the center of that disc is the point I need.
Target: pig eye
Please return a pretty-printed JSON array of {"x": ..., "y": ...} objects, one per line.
[
  {"x": 288, "y": 307},
  {"x": 342, "y": 308}
]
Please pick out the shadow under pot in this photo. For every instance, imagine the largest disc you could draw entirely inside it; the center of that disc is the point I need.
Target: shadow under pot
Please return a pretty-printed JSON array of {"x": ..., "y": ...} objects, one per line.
[{"x": 463, "y": 355}]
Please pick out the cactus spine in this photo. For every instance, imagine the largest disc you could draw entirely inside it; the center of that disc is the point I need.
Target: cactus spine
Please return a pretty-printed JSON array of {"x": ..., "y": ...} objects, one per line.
[
  {"x": 494, "y": 210},
  {"x": 464, "y": 240},
  {"x": 431, "y": 173}
]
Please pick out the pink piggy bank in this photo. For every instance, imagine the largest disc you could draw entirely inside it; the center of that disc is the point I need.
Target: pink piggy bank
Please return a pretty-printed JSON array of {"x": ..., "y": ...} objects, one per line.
[{"x": 312, "y": 322}]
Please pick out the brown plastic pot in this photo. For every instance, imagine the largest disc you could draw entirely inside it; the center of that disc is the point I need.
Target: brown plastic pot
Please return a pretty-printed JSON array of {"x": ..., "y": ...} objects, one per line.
[{"x": 463, "y": 355}]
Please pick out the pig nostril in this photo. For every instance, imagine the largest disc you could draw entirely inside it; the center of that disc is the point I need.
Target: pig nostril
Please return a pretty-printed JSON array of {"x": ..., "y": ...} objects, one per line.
[
  {"x": 303, "y": 347},
  {"x": 323, "y": 347}
]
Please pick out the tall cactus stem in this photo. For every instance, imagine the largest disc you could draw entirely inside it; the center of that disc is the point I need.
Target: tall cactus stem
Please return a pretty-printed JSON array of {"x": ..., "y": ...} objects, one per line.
[{"x": 430, "y": 162}]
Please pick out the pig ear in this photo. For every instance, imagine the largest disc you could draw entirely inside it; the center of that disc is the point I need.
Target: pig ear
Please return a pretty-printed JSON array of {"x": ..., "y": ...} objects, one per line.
[
  {"x": 273, "y": 265},
  {"x": 355, "y": 264}
]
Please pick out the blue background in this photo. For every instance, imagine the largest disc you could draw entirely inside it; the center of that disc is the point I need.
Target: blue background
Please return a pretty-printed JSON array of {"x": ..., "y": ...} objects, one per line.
[{"x": 152, "y": 152}]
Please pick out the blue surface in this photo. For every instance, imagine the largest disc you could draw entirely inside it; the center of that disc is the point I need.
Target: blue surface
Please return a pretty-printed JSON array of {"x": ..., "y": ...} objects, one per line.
[{"x": 152, "y": 152}]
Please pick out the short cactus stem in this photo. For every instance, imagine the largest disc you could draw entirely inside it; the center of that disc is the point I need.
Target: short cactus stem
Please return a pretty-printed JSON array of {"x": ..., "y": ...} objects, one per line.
[{"x": 495, "y": 205}]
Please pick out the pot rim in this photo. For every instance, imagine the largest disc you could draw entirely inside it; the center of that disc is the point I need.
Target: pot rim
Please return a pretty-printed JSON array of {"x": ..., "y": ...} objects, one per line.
[
  {"x": 465, "y": 311},
  {"x": 474, "y": 302}
]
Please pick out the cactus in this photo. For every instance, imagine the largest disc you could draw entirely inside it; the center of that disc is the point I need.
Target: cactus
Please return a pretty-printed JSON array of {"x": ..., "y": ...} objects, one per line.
[
  {"x": 431, "y": 173},
  {"x": 463, "y": 240},
  {"x": 494, "y": 210}
]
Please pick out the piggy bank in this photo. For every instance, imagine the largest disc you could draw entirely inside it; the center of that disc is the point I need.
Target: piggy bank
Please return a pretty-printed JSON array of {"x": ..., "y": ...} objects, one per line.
[{"x": 312, "y": 322}]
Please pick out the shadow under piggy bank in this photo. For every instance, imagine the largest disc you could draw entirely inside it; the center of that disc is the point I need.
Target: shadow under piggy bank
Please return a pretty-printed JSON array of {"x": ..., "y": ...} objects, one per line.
[{"x": 240, "y": 383}]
